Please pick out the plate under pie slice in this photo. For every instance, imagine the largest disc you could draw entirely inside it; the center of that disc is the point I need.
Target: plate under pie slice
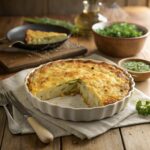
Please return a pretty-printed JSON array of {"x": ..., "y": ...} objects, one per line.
[{"x": 37, "y": 37}]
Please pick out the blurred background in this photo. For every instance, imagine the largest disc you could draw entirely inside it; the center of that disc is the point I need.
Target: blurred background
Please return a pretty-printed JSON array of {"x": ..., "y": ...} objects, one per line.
[{"x": 46, "y": 7}]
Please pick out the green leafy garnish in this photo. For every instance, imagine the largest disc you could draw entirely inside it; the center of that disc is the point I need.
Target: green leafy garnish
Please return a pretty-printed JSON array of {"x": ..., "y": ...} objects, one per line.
[
  {"x": 143, "y": 107},
  {"x": 136, "y": 66},
  {"x": 66, "y": 24},
  {"x": 124, "y": 30}
]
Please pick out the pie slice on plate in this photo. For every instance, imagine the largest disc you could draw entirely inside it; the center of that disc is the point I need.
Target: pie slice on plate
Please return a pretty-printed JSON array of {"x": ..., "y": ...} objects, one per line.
[{"x": 37, "y": 37}]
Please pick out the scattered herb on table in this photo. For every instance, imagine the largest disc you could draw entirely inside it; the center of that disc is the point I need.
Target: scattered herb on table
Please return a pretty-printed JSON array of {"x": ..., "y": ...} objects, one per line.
[
  {"x": 124, "y": 30},
  {"x": 143, "y": 107},
  {"x": 136, "y": 66},
  {"x": 66, "y": 24}
]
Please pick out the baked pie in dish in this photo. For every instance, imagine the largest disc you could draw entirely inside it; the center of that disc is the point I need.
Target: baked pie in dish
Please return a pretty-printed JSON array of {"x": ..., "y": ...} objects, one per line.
[{"x": 100, "y": 84}]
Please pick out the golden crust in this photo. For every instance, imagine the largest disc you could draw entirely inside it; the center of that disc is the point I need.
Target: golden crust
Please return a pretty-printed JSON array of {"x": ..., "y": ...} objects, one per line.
[
  {"x": 106, "y": 83},
  {"x": 42, "y": 37}
]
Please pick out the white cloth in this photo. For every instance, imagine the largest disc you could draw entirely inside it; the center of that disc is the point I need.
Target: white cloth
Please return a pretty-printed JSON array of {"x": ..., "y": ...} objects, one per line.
[{"x": 60, "y": 127}]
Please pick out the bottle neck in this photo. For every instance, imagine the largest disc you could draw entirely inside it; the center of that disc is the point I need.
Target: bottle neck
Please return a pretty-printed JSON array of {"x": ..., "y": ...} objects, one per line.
[{"x": 91, "y": 6}]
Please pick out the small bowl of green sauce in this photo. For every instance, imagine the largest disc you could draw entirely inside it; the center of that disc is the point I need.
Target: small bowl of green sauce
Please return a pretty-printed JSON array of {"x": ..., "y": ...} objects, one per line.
[{"x": 138, "y": 68}]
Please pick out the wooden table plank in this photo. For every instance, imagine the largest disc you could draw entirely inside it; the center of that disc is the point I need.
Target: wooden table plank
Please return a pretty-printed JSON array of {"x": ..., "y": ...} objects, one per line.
[
  {"x": 110, "y": 2},
  {"x": 2, "y": 123},
  {"x": 109, "y": 140},
  {"x": 6, "y": 23},
  {"x": 148, "y": 3},
  {"x": 121, "y": 2},
  {"x": 10, "y": 141},
  {"x": 26, "y": 142},
  {"x": 136, "y": 137},
  {"x": 138, "y": 15},
  {"x": 137, "y": 2}
]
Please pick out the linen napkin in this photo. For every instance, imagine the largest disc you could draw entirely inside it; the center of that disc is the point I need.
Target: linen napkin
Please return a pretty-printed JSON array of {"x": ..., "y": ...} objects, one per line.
[{"x": 60, "y": 127}]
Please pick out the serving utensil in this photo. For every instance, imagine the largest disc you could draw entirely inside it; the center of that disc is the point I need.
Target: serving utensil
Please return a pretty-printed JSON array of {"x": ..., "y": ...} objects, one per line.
[
  {"x": 44, "y": 135},
  {"x": 13, "y": 125}
]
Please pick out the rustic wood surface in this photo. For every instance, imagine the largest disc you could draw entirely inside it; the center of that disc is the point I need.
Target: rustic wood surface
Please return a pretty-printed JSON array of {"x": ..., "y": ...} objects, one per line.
[
  {"x": 126, "y": 138},
  {"x": 46, "y": 7},
  {"x": 137, "y": 2},
  {"x": 15, "y": 61},
  {"x": 108, "y": 141}
]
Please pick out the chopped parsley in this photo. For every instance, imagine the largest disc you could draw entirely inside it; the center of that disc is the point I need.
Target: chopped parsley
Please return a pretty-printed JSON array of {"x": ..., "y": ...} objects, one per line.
[
  {"x": 125, "y": 30},
  {"x": 136, "y": 66}
]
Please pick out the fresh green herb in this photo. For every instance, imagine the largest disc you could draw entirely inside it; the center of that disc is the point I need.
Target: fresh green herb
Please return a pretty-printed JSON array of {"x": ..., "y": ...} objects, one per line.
[
  {"x": 136, "y": 66},
  {"x": 73, "y": 28},
  {"x": 124, "y": 30},
  {"x": 143, "y": 107}
]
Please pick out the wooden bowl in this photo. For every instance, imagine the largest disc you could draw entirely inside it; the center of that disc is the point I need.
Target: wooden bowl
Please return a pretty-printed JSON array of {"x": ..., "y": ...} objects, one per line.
[
  {"x": 116, "y": 46},
  {"x": 138, "y": 76}
]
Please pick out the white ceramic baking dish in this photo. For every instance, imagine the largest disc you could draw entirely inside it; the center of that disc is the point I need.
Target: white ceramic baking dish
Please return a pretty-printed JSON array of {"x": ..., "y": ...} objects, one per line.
[{"x": 78, "y": 114}]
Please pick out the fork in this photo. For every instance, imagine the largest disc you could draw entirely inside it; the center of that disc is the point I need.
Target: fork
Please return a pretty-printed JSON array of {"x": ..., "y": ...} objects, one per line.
[
  {"x": 44, "y": 135},
  {"x": 13, "y": 125}
]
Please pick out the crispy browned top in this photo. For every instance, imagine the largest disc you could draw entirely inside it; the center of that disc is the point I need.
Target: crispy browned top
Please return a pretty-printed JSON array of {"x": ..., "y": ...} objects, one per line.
[{"x": 106, "y": 80}]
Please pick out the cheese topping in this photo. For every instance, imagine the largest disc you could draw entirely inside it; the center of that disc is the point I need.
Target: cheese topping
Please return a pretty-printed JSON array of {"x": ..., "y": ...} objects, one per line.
[{"x": 98, "y": 83}]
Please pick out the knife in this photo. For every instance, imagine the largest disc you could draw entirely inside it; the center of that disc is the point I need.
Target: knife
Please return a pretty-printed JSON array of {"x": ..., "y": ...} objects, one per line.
[{"x": 44, "y": 135}]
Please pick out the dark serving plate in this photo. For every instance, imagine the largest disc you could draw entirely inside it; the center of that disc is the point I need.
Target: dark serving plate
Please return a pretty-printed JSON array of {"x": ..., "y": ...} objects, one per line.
[{"x": 16, "y": 36}]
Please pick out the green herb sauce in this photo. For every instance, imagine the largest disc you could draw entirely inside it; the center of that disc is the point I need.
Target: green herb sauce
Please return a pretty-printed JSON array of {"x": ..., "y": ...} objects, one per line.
[
  {"x": 136, "y": 66},
  {"x": 124, "y": 30}
]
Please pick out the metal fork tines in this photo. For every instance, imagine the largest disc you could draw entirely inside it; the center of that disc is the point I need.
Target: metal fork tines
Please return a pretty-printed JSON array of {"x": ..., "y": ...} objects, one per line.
[
  {"x": 44, "y": 134},
  {"x": 14, "y": 101},
  {"x": 13, "y": 125}
]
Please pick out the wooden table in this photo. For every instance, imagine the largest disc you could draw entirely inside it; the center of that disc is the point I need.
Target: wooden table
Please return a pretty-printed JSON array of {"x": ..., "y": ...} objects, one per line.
[{"x": 135, "y": 137}]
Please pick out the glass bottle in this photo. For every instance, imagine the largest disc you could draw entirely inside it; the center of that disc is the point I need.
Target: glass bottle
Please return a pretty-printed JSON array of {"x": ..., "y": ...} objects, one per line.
[{"x": 90, "y": 15}]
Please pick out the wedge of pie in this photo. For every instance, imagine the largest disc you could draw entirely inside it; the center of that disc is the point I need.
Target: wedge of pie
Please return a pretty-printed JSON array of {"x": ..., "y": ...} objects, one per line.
[
  {"x": 37, "y": 37},
  {"x": 98, "y": 83}
]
